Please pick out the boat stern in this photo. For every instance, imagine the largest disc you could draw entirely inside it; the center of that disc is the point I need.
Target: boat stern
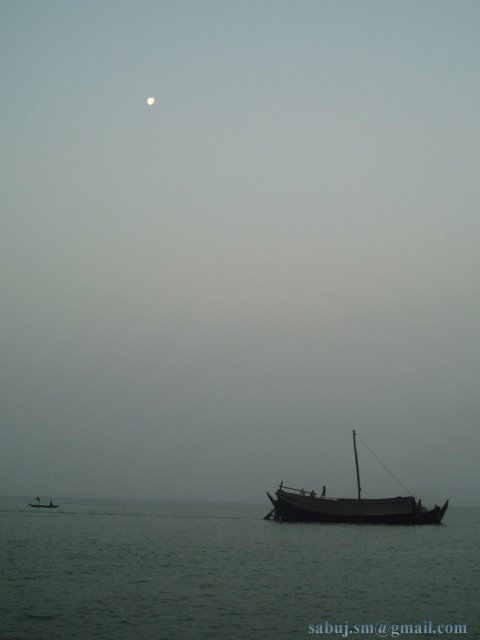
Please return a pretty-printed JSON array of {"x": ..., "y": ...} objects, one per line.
[{"x": 442, "y": 510}]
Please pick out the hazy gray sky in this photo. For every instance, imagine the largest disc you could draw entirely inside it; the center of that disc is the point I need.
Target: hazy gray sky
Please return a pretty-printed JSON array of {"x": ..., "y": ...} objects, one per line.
[{"x": 204, "y": 297}]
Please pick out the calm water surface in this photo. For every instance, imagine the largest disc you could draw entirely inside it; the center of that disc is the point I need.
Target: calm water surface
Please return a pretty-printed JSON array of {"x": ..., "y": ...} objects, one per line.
[{"x": 139, "y": 570}]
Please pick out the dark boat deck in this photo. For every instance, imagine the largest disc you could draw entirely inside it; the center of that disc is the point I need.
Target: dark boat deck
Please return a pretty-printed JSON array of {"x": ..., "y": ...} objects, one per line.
[{"x": 292, "y": 507}]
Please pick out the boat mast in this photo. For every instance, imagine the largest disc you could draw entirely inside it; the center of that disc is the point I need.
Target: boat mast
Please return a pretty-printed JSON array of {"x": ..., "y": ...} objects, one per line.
[{"x": 356, "y": 464}]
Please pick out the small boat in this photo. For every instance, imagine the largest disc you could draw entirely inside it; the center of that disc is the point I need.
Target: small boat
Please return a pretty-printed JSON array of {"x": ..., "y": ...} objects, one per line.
[
  {"x": 298, "y": 505},
  {"x": 39, "y": 505}
]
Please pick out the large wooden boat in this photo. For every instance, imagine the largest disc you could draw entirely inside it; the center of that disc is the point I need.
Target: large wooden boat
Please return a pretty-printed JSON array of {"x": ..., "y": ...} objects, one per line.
[{"x": 298, "y": 505}]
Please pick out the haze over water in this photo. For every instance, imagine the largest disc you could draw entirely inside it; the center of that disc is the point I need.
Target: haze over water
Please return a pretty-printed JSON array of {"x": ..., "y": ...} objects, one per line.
[{"x": 203, "y": 297}]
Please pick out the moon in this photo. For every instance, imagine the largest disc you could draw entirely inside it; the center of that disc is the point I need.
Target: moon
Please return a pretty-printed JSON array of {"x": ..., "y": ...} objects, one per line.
[{"x": 150, "y": 101}]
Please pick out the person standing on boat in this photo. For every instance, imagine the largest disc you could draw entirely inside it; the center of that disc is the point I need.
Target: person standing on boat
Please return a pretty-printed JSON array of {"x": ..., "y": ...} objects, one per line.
[{"x": 324, "y": 491}]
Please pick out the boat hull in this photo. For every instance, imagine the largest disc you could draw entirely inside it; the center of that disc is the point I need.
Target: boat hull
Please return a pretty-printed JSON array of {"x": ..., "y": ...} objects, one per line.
[
  {"x": 290, "y": 507},
  {"x": 43, "y": 506}
]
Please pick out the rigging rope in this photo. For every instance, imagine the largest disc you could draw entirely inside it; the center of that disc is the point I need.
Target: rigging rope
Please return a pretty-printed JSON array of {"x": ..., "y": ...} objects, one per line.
[{"x": 385, "y": 467}]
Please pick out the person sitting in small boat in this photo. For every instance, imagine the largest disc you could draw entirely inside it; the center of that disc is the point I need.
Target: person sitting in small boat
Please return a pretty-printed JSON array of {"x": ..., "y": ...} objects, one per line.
[{"x": 50, "y": 504}]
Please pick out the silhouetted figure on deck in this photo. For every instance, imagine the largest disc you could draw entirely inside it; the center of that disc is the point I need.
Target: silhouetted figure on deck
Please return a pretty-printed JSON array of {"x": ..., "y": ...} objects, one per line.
[{"x": 324, "y": 491}]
